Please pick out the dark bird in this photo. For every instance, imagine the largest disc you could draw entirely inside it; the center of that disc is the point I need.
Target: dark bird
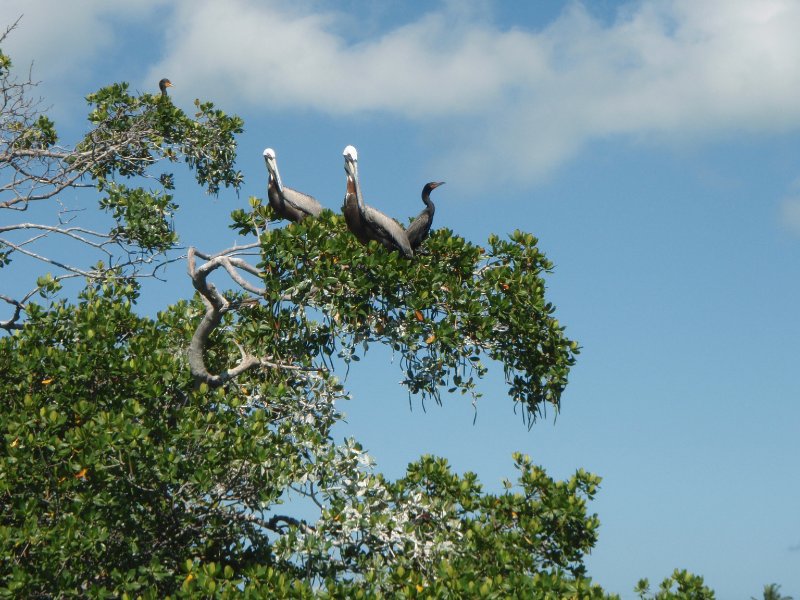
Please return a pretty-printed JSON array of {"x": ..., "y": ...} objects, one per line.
[
  {"x": 420, "y": 227},
  {"x": 365, "y": 222},
  {"x": 163, "y": 85},
  {"x": 288, "y": 203}
]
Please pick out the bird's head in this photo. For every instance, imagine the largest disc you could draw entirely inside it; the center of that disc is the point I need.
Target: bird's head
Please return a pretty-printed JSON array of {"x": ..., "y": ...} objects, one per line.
[
  {"x": 429, "y": 187},
  {"x": 351, "y": 168},
  {"x": 272, "y": 167},
  {"x": 164, "y": 84},
  {"x": 350, "y": 154},
  {"x": 350, "y": 161}
]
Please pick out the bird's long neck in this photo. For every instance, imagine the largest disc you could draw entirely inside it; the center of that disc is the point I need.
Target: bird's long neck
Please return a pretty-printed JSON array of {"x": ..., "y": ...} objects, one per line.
[
  {"x": 275, "y": 177},
  {"x": 357, "y": 191},
  {"x": 426, "y": 198}
]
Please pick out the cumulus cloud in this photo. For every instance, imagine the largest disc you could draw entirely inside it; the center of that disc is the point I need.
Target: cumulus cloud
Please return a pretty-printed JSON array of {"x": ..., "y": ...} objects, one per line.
[
  {"x": 63, "y": 39},
  {"x": 526, "y": 99},
  {"x": 519, "y": 101},
  {"x": 276, "y": 55}
]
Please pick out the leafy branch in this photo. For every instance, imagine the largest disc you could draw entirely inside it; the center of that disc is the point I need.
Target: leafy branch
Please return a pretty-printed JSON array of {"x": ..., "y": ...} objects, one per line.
[{"x": 119, "y": 157}]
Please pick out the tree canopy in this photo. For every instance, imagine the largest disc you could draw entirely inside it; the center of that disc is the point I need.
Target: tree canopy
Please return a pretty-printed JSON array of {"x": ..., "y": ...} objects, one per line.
[{"x": 181, "y": 454}]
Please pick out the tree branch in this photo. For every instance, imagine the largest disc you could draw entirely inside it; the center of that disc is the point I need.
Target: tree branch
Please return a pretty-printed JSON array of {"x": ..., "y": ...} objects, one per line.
[
  {"x": 216, "y": 306},
  {"x": 12, "y": 323},
  {"x": 44, "y": 259}
]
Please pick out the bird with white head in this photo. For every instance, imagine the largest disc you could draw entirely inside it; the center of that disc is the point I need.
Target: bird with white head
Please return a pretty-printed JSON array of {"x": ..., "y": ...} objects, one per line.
[
  {"x": 368, "y": 223},
  {"x": 289, "y": 204}
]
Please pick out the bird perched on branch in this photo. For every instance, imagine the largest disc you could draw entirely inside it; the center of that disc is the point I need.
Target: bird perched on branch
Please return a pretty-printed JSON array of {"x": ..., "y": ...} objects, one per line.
[
  {"x": 163, "y": 85},
  {"x": 420, "y": 227},
  {"x": 365, "y": 222},
  {"x": 289, "y": 204}
]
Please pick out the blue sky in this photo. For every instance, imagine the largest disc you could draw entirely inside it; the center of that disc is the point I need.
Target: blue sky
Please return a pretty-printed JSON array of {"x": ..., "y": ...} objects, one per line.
[{"x": 654, "y": 149}]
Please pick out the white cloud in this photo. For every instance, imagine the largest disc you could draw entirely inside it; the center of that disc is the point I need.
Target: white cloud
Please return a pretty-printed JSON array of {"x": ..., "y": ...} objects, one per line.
[
  {"x": 517, "y": 101},
  {"x": 528, "y": 100},
  {"x": 274, "y": 55},
  {"x": 63, "y": 39}
]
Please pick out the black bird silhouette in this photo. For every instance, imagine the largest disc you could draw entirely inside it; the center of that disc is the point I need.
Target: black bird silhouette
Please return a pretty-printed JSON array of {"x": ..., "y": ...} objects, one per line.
[{"x": 420, "y": 227}]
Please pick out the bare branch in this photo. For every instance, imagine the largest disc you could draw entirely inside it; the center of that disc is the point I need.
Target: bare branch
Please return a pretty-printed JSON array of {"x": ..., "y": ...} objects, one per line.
[
  {"x": 71, "y": 232},
  {"x": 232, "y": 251},
  {"x": 273, "y": 524},
  {"x": 130, "y": 134},
  {"x": 277, "y": 523},
  {"x": 12, "y": 323},
  {"x": 216, "y": 306},
  {"x": 9, "y": 29},
  {"x": 32, "y": 170},
  {"x": 230, "y": 265},
  {"x": 55, "y": 263}
]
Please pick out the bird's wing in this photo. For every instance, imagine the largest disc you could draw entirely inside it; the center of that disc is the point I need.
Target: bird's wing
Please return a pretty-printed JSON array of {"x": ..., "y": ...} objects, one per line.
[
  {"x": 390, "y": 228},
  {"x": 302, "y": 202},
  {"x": 418, "y": 229}
]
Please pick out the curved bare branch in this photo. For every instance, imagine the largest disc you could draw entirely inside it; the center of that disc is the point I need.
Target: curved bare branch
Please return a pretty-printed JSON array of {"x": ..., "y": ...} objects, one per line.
[
  {"x": 216, "y": 306},
  {"x": 13, "y": 322}
]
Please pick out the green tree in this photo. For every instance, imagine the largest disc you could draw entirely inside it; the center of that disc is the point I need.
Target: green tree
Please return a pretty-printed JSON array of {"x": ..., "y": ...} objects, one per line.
[
  {"x": 772, "y": 591},
  {"x": 118, "y": 166},
  {"x": 154, "y": 456},
  {"x": 681, "y": 585}
]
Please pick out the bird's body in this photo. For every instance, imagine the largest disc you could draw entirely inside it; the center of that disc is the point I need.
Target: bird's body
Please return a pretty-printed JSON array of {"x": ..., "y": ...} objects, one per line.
[
  {"x": 352, "y": 214},
  {"x": 365, "y": 222},
  {"x": 163, "y": 85},
  {"x": 289, "y": 204},
  {"x": 420, "y": 227},
  {"x": 386, "y": 230}
]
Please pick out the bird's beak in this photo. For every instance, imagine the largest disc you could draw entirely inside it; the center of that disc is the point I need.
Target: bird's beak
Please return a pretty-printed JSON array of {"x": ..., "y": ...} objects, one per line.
[
  {"x": 358, "y": 187},
  {"x": 351, "y": 166},
  {"x": 169, "y": 84},
  {"x": 438, "y": 183},
  {"x": 272, "y": 167}
]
